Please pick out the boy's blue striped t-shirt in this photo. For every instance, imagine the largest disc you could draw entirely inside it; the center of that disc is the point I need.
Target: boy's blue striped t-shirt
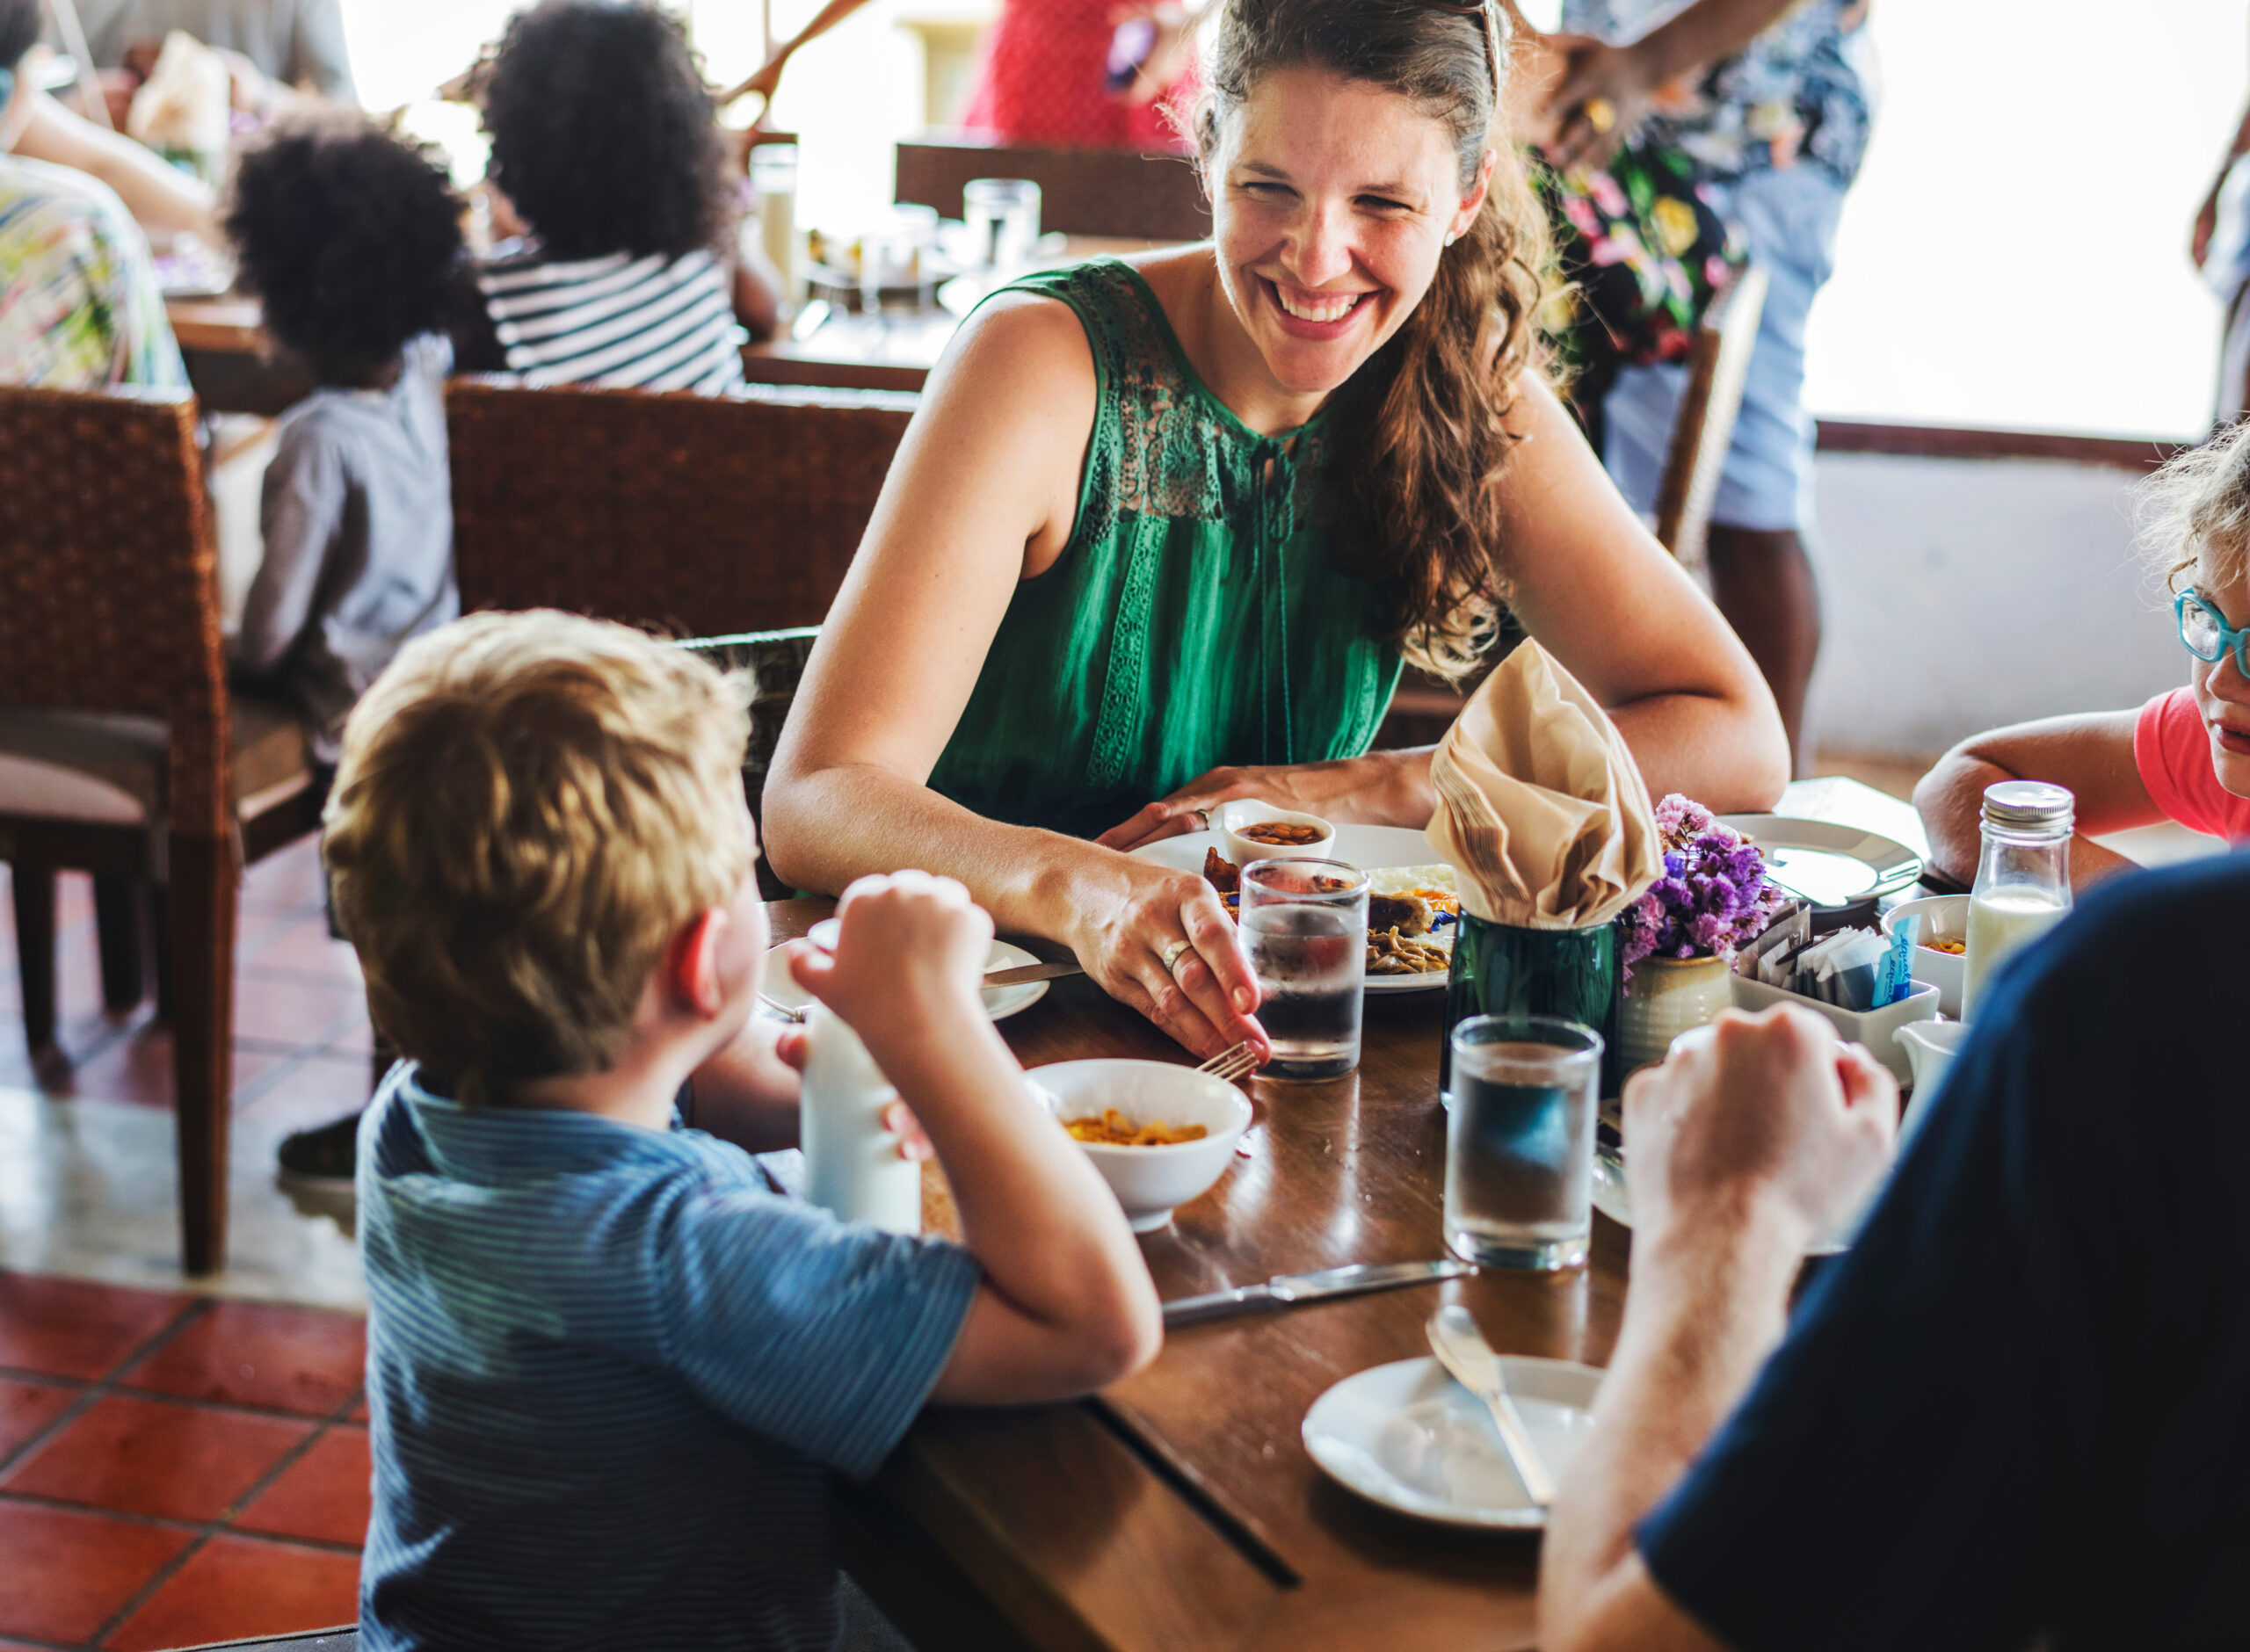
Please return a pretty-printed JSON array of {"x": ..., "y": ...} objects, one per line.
[{"x": 607, "y": 1373}]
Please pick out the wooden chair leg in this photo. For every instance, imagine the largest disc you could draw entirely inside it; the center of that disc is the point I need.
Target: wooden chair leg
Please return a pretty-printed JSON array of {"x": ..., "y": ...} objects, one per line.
[
  {"x": 118, "y": 903},
  {"x": 202, "y": 937},
  {"x": 33, "y": 889}
]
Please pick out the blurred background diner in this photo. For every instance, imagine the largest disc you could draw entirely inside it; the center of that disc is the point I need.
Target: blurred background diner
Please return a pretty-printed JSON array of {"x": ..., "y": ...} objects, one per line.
[{"x": 346, "y": 316}]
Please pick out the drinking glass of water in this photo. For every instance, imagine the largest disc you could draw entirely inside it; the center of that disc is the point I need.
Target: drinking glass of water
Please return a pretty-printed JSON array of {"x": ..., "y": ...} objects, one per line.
[
  {"x": 1304, "y": 930},
  {"x": 1519, "y": 1167},
  {"x": 1003, "y": 218}
]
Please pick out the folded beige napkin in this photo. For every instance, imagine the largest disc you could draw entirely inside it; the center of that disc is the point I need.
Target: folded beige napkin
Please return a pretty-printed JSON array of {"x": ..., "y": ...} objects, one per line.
[{"x": 1542, "y": 810}]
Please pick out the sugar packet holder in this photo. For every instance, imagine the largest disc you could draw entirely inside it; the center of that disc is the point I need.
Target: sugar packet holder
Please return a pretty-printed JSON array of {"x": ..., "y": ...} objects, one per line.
[{"x": 1857, "y": 970}]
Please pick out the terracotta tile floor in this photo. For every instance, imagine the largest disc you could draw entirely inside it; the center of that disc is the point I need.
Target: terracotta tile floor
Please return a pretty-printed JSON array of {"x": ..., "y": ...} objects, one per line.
[
  {"x": 87, "y": 1164},
  {"x": 175, "y": 1469},
  {"x": 178, "y": 1467}
]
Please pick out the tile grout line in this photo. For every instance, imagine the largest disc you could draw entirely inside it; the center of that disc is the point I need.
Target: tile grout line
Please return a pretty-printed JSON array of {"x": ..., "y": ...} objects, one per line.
[
  {"x": 166, "y": 1522},
  {"x": 224, "y": 1525},
  {"x": 100, "y": 1388}
]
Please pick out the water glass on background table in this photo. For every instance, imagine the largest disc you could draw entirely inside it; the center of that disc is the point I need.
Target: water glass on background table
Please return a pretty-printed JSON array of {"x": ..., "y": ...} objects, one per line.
[
  {"x": 1304, "y": 930},
  {"x": 1518, "y": 1170},
  {"x": 1003, "y": 218}
]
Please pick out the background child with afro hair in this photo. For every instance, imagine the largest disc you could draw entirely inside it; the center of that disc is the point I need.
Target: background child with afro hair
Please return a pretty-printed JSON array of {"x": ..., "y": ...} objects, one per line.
[{"x": 352, "y": 239}]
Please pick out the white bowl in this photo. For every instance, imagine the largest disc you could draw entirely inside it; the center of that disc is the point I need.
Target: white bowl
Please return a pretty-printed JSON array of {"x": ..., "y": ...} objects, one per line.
[
  {"x": 1150, "y": 1182},
  {"x": 1228, "y": 819},
  {"x": 1944, "y": 917}
]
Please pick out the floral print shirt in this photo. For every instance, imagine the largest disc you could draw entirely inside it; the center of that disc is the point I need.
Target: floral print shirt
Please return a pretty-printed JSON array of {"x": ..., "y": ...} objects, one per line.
[
  {"x": 1802, "y": 93},
  {"x": 79, "y": 306}
]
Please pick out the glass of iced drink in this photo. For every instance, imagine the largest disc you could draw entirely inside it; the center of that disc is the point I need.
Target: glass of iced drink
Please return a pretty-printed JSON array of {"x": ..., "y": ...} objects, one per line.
[
  {"x": 1304, "y": 930},
  {"x": 1519, "y": 1169}
]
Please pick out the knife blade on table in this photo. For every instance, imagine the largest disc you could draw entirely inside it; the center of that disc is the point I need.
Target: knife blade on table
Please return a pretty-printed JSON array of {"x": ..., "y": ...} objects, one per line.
[
  {"x": 1021, "y": 973},
  {"x": 1286, "y": 1289}
]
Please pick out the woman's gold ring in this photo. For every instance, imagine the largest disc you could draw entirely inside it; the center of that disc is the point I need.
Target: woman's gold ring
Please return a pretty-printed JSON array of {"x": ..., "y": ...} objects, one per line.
[
  {"x": 1600, "y": 113},
  {"x": 1173, "y": 950}
]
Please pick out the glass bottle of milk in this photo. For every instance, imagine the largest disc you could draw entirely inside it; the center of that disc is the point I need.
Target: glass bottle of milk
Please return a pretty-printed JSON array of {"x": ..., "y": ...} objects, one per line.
[
  {"x": 2023, "y": 883},
  {"x": 853, "y": 1165}
]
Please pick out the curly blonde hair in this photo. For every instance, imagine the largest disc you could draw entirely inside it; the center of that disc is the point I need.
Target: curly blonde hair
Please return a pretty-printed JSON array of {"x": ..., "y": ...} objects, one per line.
[
  {"x": 529, "y": 808},
  {"x": 2198, "y": 505}
]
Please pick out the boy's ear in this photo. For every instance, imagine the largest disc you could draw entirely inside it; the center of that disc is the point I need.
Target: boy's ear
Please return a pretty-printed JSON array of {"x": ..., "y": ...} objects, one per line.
[{"x": 694, "y": 965}]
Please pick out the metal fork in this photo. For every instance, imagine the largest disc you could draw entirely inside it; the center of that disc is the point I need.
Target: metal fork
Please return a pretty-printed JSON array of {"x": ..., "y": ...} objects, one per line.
[{"x": 1237, "y": 1060}]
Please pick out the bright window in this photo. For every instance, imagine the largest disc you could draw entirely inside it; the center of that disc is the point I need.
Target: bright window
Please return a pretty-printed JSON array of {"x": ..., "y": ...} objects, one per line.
[{"x": 2015, "y": 252}]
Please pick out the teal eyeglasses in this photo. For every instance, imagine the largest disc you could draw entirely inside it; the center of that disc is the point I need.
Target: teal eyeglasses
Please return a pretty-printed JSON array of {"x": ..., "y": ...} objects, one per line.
[{"x": 2205, "y": 633}]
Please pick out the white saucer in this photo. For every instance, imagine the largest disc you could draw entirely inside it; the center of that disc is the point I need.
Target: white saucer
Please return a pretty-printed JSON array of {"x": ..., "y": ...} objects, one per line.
[
  {"x": 1369, "y": 848},
  {"x": 1407, "y": 1436},
  {"x": 1827, "y": 863},
  {"x": 1000, "y": 1002}
]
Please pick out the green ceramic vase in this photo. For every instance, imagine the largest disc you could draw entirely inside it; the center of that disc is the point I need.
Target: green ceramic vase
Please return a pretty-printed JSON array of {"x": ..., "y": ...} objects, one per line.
[{"x": 1498, "y": 969}]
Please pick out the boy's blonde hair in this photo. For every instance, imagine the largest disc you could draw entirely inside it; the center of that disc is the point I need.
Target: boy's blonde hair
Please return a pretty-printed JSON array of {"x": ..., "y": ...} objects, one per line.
[
  {"x": 528, "y": 810},
  {"x": 2198, "y": 502}
]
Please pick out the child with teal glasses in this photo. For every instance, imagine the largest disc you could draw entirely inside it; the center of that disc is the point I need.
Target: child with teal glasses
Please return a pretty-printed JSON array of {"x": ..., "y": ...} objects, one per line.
[{"x": 2183, "y": 757}]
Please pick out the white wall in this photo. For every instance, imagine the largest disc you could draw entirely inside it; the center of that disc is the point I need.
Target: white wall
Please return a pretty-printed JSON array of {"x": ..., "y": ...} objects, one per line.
[{"x": 1961, "y": 594}]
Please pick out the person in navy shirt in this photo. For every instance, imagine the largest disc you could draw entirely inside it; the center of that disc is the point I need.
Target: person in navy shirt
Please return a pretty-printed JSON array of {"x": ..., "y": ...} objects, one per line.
[{"x": 2018, "y": 1407}]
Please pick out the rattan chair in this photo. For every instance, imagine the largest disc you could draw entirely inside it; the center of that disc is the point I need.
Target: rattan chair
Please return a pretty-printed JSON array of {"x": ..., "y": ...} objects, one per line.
[
  {"x": 121, "y": 752},
  {"x": 696, "y": 515},
  {"x": 1117, "y": 193},
  {"x": 774, "y": 661}
]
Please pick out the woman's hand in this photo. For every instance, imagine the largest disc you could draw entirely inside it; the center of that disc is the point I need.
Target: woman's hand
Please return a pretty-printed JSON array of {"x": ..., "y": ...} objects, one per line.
[
  {"x": 1379, "y": 789},
  {"x": 1157, "y": 940}
]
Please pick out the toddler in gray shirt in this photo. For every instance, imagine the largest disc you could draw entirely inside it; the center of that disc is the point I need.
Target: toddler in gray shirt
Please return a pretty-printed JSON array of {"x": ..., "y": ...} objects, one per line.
[{"x": 352, "y": 239}]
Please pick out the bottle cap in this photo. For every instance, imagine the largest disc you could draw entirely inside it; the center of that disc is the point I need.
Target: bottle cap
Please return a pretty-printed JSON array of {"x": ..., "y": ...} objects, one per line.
[{"x": 2019, "y": 803}]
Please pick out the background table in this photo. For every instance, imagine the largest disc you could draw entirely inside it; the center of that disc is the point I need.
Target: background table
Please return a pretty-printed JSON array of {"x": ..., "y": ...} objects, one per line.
[
  {"x": 1178, "y": 1510},
  {"x": 235, "y": 368}
]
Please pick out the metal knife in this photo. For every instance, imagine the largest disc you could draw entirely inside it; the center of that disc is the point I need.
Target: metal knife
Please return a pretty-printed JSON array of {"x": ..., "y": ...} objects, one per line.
[
  {"x": 1460, "y": 1348},
  {"x": 1021, "y": 973},
  {"x": 1286, "y": 1289}
]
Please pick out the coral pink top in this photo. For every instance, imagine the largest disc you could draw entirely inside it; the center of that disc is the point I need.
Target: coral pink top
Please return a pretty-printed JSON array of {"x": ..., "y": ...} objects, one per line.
[
  {"x": 1042, "y": 79},
  {"x": 2173, "y": 751}
]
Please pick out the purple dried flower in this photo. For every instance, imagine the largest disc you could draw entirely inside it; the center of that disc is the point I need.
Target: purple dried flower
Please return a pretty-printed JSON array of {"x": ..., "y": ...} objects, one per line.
[{"x": 1714, "y": 895}]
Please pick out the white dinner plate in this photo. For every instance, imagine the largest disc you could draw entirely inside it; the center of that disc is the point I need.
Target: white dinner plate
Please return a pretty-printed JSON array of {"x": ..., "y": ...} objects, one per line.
[
  {"x": 1827, "y": 863},
  {"x": 1000, "y": 1002},
  {"x": 1369, "y": 848},
  {"x": 1407, "y": 1436}
]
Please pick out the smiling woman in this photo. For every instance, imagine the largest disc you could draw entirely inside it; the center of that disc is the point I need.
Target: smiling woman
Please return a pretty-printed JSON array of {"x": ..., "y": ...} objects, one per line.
[{"x": 1163, "y": 532}]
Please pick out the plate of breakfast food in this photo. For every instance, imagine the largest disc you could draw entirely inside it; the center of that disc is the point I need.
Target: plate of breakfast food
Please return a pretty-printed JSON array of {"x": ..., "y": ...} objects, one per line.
[{"x": 1413, "y": 911}]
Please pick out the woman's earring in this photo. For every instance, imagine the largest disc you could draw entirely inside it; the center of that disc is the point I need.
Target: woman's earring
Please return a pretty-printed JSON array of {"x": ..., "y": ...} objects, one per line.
[{"x": 1449, "y": 240}]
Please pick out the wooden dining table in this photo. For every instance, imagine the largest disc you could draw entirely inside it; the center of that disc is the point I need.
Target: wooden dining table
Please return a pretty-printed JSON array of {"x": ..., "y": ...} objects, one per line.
[{"x": 1178, "y": 1510}]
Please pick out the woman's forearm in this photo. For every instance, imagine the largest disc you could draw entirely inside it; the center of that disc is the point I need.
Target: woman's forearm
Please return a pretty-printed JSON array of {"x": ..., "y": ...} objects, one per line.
[
  {"x": 851, "y": 820},
  {"x": 1730, "y": 756},
  {"x": 160, "y": 197}
]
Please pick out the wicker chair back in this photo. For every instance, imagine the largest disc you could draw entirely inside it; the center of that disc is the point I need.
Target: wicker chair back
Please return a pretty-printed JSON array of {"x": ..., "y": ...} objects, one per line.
[
  {"x": 695, "y": 514},
  {"x": 109, "y": 597},
  {"x": 775, "y": 661}
]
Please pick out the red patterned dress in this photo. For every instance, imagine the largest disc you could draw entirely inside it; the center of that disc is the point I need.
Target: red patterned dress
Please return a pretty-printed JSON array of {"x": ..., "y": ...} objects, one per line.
[{"x": 1042, "y": 79}]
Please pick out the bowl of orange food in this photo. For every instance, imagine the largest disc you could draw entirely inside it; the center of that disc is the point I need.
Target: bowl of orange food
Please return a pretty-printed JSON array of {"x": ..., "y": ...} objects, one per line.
[
  {"x": 1940, "y": 947},
  {"x": 1249, "y": 830},
  {"x": 1159, "y": 1133}
]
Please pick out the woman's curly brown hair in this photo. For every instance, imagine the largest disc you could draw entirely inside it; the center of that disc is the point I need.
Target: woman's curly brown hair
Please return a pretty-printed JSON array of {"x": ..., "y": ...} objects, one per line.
[
  {"x": 352, "y": 237},
  {"x": 602, "y": 132},
  {"x": 1424, "y": 418}
]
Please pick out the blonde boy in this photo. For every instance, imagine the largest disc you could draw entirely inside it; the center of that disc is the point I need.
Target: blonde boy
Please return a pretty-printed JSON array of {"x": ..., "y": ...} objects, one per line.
[{"x": 607, "y": 1370}]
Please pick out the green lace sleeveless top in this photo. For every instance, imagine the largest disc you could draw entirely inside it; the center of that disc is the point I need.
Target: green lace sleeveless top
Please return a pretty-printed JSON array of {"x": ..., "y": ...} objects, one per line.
[{"x": 1194, "y": 618}]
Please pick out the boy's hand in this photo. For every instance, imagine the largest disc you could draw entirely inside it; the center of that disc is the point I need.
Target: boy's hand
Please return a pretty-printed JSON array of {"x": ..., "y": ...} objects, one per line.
[
  {"x": 897, "y": 1118},
  {"x": 911, "y": 954}
]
